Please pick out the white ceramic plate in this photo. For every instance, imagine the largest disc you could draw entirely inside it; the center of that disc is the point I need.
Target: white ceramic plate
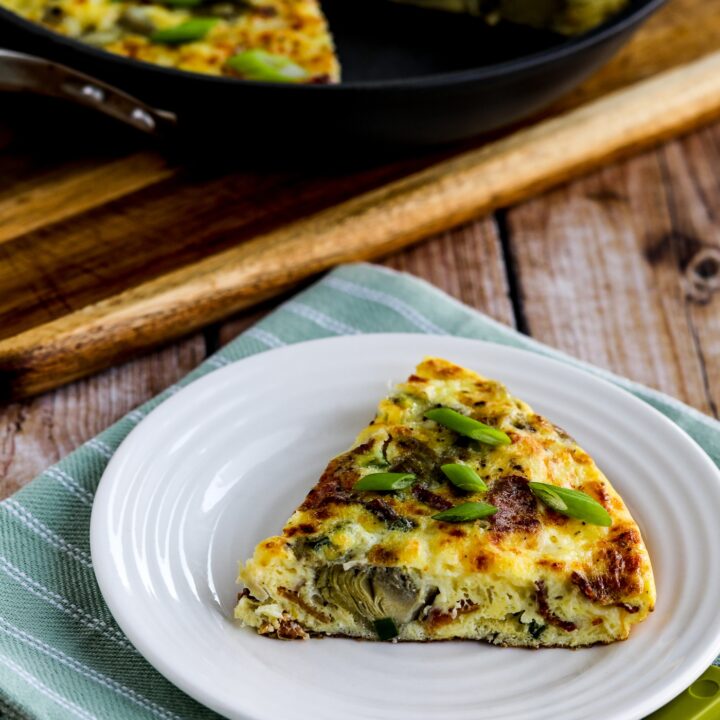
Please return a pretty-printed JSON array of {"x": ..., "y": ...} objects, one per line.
[{"x": 224, "y": 462}]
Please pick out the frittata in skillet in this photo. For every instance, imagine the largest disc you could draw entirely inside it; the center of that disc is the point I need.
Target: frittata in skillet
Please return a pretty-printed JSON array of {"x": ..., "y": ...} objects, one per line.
[
  {"x": 269, "y": 40},
  {"x": 457, "y": 513},
  {"x": 266, "y": 40}
]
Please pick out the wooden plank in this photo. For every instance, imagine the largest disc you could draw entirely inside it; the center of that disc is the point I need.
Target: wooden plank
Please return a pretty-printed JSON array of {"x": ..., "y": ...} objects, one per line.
[
  {"x": 36, "y": 433},
  {"x": 467, "y": 263},
  {"x": 50, "y": 269},
  {"x": 369, "y": 225},
  {"x": 71, "y": 189},
  {"x": 602, "y": 267},
  {"x": 691, "y": 169}
]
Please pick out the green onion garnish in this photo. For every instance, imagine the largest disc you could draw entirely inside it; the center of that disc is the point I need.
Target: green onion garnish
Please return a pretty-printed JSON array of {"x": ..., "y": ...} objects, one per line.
[
  {"x": 573, "y": 503},
  {"x": 267, "y": 67},
  {"x": 386, "y": 628},
  {"x": 466, "y": 512},
  {"x": 463, "y": 477},
  {"x": 385, "y": 481},
  {"x": 189, "y": 31},
  {"x": 467, "y": 426}
]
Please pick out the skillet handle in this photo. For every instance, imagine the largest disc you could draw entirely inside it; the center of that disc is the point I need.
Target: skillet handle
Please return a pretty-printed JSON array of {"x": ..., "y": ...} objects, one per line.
[{"x": 27, "y": 73}]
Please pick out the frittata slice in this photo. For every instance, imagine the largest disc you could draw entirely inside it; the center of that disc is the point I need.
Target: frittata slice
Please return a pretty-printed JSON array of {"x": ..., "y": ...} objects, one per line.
[
  {"x": 568, "y": 17},
  {"x": 267, "y": 40},
  {"x": 499, "y": 528}
]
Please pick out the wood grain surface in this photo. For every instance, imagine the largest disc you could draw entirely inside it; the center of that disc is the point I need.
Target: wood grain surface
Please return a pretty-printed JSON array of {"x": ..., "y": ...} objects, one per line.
[
  {"x": 103, "y": 254},
  {"x": 621, "y": 269}
]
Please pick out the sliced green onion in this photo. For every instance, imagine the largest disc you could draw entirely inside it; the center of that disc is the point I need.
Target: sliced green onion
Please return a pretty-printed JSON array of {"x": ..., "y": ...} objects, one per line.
[
  {"x": 467, "y": 426},
  {"x": 573, "y": 503},
  {"x": 466, "y": 512},
  {"x": 382, "y": 481},
  {"x": 386, "y": 628},
  {"x": 547, "y": 494},
  {"x": 463, "y": 477},
  {"x": 189, "y": 31},
  {"x": 267, "y": 67}
]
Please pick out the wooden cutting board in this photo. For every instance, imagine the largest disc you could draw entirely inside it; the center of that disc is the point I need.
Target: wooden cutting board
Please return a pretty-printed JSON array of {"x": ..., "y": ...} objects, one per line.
[{"x": 107, "y": 249}]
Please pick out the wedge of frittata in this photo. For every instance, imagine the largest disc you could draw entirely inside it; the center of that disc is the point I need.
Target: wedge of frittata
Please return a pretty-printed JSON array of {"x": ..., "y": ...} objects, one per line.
[{"x": 457, "y": 513}]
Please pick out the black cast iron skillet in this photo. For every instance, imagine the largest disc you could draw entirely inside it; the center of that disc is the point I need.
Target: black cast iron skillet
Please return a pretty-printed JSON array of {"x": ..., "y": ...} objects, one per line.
[{"x": 411, "y": 77}]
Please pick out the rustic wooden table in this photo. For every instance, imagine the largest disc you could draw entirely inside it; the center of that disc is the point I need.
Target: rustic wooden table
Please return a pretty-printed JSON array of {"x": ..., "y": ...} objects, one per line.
[{"x": 621, "y": 268}]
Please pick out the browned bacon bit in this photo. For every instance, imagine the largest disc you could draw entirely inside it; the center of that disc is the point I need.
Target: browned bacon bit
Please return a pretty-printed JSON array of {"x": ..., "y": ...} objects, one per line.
[
  {"x": 245, "y": 594},
  {"x": 517, "y": 508},
  {"x": 381, "y": 510},
  {"x": 415, "y": 456},
  {"x": 430, "y": 498},
  {"x": 544, "y": 609},
  {"x": 632, "y": 609},
  {"x": 293, "y": 597},
  {"x": 289, "y": 629},
  {"x": 438, "y": 618}
]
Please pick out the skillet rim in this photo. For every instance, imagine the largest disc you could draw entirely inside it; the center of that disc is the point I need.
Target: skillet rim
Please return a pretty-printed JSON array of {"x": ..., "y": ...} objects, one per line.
[{"x": 615, "y": 26}]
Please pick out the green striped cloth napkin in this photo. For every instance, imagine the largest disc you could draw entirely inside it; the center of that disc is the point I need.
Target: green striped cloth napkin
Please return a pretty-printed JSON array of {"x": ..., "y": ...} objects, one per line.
[{"x": 62, "y": 655}]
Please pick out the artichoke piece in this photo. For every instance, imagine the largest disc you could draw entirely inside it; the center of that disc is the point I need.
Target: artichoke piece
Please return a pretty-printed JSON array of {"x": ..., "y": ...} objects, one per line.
[
  {"x": 569, "y": 17},
  {"x": 136, "y": 20},
  {"x": 373, "y": 593},
  {"x": 100, "y": 38}
]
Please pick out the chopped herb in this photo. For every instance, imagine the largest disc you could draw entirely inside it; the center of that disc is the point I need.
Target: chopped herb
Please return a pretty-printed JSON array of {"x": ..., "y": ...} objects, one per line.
[
  {"x": 386, "y": 628},
  {"x": 536, "y": 629},
  {"x": 318, "y": 542},
  {"x": 468, "y": 427}
]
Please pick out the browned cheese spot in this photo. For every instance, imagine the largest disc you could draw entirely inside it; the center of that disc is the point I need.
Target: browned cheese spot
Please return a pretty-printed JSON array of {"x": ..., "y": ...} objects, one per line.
[
  {"x": 379, "y": 555},
  {"x": 615, "y": 571},
  {"x": 482, "y": 561},
  {"x": 336, "y": 483}
]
